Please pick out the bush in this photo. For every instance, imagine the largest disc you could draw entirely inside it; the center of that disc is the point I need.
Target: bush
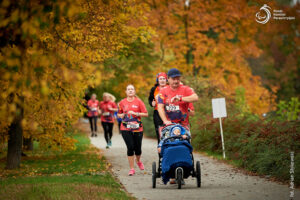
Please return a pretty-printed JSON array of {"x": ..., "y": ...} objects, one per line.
[
  {"x": 148, "y": 123},
  {"x": 289, "y": 110},
  {"x": 258, "y": 145}
]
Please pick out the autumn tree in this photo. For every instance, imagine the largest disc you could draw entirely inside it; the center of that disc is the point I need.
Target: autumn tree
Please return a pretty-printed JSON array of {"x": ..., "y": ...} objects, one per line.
[
  {"x": 50, "y": 52},
  {"x": 211, "y": 39}
]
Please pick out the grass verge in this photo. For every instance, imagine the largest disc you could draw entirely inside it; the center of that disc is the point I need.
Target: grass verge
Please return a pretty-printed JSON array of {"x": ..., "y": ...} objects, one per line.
[{"x": 79, "y": 174}]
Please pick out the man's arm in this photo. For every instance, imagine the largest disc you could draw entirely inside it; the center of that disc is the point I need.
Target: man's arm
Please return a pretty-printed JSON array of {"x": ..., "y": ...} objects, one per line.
[
  {"x": 162, "y": 114},
  {"x": 191, "y": 98}
]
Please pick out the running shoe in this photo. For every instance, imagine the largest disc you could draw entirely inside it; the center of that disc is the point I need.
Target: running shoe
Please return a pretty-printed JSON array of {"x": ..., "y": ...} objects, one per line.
[
  {"x": 107, "y": 146},
  {"x": 131, "y": 172},
  {"x": 109, "y": 143},
  {"x": 141, "y": 165}
]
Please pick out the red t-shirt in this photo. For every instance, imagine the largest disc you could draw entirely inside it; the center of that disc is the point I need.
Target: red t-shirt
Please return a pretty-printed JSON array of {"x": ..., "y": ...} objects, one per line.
[
  {"x": 176, "y": 112},
  {"x": 106, "y": 114},
  {"x": 137, "y": 105},
  {"x": 93, "y": 108},
  {"x": 156, "y": 92}
]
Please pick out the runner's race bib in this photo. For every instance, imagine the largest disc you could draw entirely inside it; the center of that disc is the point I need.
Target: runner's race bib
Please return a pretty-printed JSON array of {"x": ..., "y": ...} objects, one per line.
[
  {"x": 133, "y": 125},
  {"x": 172, "y": 107},
  {"x": 93, "y": 109},
  {"x": 106, "y": 114}
]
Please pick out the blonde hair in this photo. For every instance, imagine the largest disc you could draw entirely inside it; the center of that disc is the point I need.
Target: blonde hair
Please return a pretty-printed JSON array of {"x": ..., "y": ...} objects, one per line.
[{"x": 110, "y": 96}]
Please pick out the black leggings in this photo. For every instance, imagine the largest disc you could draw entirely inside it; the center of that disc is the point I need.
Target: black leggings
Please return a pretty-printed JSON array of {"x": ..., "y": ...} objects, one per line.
[
  {"x": 133, "y": 141},
  {"x": 108, "y": 130},
  {"x": 157, "y": 123},
  {"x": 93, "y": 123},
  {"x": 119, "y": 124}
]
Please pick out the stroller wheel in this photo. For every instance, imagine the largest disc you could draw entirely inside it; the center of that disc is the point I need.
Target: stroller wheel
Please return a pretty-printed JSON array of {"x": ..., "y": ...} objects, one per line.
[
  {"x": 198, "y": 174},
  {"x": 153, "y": 174},
  {"x": 179, "y": 176}
]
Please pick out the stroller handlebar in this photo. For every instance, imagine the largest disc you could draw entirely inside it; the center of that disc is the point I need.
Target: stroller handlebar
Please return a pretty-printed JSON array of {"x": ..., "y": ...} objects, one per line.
[
  {"x": 166, "y": 125},
  {"x": 174, "y": 137},
  {"x": 173, "y": 124}
]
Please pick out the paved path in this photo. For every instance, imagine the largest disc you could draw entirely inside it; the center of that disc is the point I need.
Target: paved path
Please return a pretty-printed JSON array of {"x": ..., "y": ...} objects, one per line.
[{"x": 219, "y": 180}]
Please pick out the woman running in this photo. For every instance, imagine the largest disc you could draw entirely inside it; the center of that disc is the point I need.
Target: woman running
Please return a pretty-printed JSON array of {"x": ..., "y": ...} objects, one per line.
[
  {"x": 93, "y": 112},
  {"x": 108, "y": 107},
  {"x": 131, "y": 109},
  {"x": 161, "y": 82}
]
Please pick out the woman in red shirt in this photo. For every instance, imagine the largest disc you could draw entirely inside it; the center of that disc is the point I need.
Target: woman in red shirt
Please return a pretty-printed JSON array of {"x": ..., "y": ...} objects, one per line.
[
  {"x": 93, "y": 106},
  {"x": 108, "y": 107},
  {"x": 131, "y": 109}
]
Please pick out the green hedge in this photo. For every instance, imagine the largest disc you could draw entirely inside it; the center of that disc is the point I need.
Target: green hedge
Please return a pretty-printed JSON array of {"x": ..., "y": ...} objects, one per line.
[
  {"x": 148, "y": 124},
  {"x": 258, "y": 145}
]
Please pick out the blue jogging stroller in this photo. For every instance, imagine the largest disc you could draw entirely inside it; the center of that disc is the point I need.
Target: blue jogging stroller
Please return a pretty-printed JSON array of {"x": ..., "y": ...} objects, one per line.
[{"x": 176, "y": 158}]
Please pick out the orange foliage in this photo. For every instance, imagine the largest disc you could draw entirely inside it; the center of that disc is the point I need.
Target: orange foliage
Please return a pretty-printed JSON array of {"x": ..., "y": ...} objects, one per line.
[{"x": 214, "y": 37}]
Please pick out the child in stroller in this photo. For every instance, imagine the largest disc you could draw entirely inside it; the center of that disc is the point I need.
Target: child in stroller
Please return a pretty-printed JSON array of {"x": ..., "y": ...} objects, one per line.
[
  {"x": 175, "y": 156},
  {"x": 176, "y": 130}
]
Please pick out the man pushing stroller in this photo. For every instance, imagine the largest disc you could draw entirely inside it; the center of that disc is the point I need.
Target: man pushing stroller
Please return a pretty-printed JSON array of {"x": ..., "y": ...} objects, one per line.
[{"x": 174, "y": 101}]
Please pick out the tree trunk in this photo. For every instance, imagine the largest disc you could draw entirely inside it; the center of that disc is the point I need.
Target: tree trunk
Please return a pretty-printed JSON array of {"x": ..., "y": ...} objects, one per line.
[
  {"x": 15, "y": 141},
  {"x": 28, "y": 144}
]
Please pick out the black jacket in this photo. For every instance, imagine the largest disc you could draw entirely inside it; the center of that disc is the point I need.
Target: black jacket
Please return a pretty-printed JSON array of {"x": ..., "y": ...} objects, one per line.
[{"x": 151, "y": 95}]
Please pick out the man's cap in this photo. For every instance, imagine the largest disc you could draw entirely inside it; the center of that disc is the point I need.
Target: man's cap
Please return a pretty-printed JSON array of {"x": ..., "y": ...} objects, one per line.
[{"x": 174, "y": 73}]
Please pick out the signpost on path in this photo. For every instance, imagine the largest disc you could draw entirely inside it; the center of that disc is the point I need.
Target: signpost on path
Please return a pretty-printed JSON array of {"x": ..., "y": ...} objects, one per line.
[{"x": 219, "y": 111}]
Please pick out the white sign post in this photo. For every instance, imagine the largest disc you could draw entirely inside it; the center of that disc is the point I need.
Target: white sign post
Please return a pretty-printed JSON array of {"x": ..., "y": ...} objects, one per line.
[{"x": 219, "y": 111}]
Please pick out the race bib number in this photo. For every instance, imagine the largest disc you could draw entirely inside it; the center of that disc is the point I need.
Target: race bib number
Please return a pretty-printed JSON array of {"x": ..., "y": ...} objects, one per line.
[
  {"x": 133, "y": 125},
  {"x": 172, "y": 107},
  {"x": 94, "y": 109},
  {"x": 106, "y": 114}
]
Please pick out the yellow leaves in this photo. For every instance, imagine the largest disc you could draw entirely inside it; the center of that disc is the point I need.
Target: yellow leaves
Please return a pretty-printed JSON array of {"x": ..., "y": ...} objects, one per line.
[
  {"x": 29, "y": 27},
  {"x": 98, "y": 77},
  {"x": 15, "y": 16},
  {"x": 52, "y": 66},
  {"x": 23, "y": 122},
  {"x": 73, "y": 9},
  {"x": 44, "y": 88},
  {"x": 5, "y": 3},
  {"x": 4, "y": 22},
  {"x": 13, "y": 62},
  {"x": 12, "y": 108}
]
